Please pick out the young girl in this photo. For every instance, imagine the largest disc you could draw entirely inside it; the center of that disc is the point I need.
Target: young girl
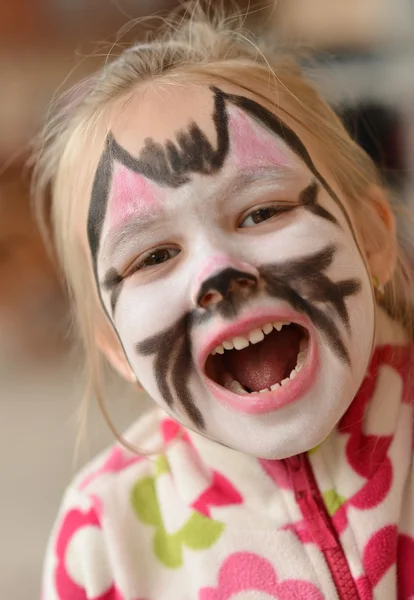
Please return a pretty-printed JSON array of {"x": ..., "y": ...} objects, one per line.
[{"x": 228, "y": 246}]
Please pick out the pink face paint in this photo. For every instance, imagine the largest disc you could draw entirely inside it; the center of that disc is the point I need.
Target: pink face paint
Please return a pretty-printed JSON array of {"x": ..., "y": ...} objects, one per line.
[
  {"x": 248, "y": 144},
  {"x": 131, "y": 194},
  {"x": 214, "y": 263}
]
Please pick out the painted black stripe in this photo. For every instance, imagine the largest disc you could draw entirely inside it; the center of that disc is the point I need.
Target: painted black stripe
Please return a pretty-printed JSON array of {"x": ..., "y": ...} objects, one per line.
[
  {"x": 99, "y": 201},
  {"x": 309, "y": 199}
]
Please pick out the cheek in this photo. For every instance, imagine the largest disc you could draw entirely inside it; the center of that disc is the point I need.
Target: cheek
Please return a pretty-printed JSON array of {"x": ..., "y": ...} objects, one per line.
[
  {"x": 303, "y": 235},
  {"x": 145, "y": 311},
  {"x": 297, "y": 234}
]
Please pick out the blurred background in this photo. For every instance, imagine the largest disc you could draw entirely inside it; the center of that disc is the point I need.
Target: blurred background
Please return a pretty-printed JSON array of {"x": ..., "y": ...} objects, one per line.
[{"x": 364, "y": 54}]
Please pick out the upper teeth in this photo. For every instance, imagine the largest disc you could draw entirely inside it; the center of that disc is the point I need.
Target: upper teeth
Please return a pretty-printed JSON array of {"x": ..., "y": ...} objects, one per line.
[{"x": 253, "y": 337}]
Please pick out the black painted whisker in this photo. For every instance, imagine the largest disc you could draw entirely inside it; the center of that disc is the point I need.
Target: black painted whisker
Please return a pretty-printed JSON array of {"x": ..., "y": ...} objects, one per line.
[
  {"x": 181, "y": 373},
  {"x": 327, "y": 325},
  {"x": 303, "y": 283},
  {"x": 113, "y": 282},
  {"x": 282, "y": 291},
  {"x": 322, "y": 212},
  {"x": 309, "y": 199},
  {"x": 309, "y": 267},
  {"x": 164, "y": 345}
]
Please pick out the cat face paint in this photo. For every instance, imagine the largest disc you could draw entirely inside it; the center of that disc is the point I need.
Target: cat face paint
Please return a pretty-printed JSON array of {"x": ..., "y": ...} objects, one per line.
[{"x": 229, "y": 266}]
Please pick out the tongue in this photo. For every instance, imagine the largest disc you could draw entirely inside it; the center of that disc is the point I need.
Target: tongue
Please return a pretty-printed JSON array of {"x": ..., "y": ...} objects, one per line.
[{"x": 260, "y": 366}]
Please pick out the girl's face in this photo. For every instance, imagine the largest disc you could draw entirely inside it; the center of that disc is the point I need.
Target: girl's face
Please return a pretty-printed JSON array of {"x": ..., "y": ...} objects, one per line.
[{"x": 230, "y": 270}]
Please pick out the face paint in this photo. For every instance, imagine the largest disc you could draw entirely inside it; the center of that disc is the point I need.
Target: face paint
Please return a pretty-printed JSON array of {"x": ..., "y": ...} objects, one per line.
[
  {"x": 308, "y": 199},
  {"x": 171, "y": 164},
  {"x": 246, "y": 145},
  {"x": 133, "y": 196},
  {"x": 249, "y": 279}
]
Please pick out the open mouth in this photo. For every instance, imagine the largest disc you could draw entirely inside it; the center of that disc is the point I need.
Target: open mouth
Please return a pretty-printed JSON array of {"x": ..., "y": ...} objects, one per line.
[{"x": 264, "y": 359}]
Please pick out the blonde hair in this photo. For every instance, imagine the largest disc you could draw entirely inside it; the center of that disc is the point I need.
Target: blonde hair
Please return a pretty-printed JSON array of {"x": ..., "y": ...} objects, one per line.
[{"x": 214, "y": 48}]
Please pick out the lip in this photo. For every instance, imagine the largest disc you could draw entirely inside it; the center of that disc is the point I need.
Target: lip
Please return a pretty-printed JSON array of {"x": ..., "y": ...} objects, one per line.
[{"x": 266, "y": 402}]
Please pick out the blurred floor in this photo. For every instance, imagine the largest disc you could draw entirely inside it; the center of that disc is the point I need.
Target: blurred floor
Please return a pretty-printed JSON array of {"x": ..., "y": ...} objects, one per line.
[{"x": 37, "y": 446}]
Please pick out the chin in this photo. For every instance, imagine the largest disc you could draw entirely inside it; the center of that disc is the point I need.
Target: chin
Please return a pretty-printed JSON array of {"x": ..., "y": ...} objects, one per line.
[{"x": 292, "y": 430}]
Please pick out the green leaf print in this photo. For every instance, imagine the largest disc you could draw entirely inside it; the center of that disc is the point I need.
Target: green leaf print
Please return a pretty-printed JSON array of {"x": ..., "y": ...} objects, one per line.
[
  {"x": 198, "y": 533},
  {"x": 161, "y": 465},
  {"x": 333, "y": 501},
  {"x": 144, "y": 501},
  {"x": 168, "y": 548}
]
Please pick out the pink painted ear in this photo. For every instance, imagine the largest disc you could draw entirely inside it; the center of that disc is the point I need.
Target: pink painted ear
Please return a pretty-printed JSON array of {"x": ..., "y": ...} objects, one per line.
[
  {"x": 131, "y": 194},
  {"x": 250, "y": 143}
]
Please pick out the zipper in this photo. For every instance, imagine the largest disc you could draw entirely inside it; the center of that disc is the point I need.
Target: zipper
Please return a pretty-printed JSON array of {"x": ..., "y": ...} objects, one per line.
[{"x": 320, "y": 526}]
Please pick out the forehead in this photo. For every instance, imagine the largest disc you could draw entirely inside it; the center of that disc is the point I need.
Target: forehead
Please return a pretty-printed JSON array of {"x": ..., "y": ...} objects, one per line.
[
  {"x": 159, "y": 111},
  {"x": 192, "y": 132}
]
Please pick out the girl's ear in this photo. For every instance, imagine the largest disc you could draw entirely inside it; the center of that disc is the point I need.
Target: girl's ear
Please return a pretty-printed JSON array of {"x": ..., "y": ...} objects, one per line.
[
  {"x": 111, "y": 347},
  {"x": 379, "y": 237}
]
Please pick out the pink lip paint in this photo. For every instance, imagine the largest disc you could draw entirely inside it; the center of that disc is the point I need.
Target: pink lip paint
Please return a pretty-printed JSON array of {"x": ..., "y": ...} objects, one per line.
[{"x": 266, "y": 402}]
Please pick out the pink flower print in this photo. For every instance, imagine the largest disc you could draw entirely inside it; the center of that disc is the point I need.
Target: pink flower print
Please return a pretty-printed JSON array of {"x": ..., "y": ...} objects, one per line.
[
  {"x": 68, "y": 589},
  {"x": 118, "y": 460},
  {"x": 245, "y": 571},
  {"x": 405, "y": 570},
  {"x": 220, "y": 493},
  {"x": 380, "y": 553},
  {"x": 170, "y": 430},
  {"x": 376, "y": 488},
  {"x": 340, "y": 518},
  {"x": 367, "y": 454},
  {"x": 277, "y": 472}
]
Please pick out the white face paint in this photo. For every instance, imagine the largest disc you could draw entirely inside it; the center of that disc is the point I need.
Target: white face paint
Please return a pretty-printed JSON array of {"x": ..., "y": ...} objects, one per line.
[{"x": 198, "y": 259}]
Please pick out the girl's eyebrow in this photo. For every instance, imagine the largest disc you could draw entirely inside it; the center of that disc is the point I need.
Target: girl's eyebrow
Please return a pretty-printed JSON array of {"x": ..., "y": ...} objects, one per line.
[
  {"x": 133, "y": 226},
  {"x": 248, "y": 177}
]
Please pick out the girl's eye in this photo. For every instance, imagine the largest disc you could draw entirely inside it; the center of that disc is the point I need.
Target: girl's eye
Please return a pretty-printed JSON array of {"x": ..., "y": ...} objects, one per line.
[
  {"x": 154, "y": 258},
  {"x": 259, "y": 216}
]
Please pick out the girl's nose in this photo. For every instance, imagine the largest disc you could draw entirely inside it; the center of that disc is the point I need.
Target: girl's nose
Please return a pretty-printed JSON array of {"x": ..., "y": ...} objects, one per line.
[
  {"x": 224, "y": 286},
  {"x": 224, "y": 279}
]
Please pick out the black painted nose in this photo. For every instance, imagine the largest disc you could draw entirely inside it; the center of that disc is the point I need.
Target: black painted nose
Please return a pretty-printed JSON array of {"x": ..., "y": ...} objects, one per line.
[{"x": 224, "y": 286}]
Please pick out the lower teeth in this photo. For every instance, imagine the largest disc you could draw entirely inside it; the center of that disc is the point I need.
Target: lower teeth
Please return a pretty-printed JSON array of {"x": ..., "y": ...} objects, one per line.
[{"x": 237, "y": 388}]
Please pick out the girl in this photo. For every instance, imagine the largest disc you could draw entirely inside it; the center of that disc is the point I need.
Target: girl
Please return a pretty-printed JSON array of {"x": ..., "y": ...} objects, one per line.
[{"x": 230, "y": 247}]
